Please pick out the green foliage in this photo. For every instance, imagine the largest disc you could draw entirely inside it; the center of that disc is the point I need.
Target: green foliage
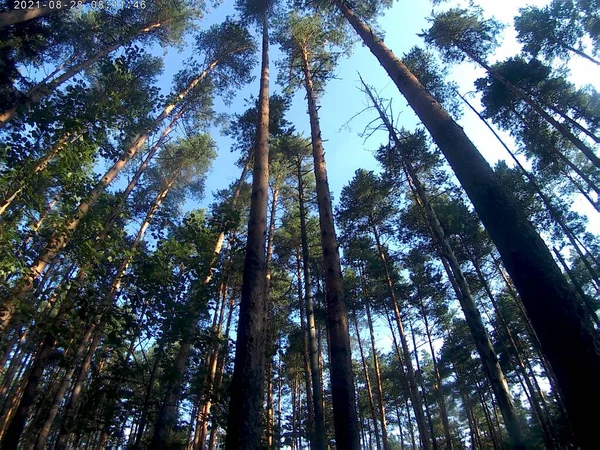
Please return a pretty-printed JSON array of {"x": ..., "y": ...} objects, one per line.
[{"x": 457, "y": 31}]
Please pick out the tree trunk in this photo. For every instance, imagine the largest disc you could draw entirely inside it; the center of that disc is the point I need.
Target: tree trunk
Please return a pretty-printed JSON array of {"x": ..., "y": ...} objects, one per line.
[
  {"x": 568, "y": 337},
  {"x": 320, "y": 439},
  {"x": 438, "y": 380},
  {"x": 305, "y": 357},
  {"x": 410, "y": 371},
  {"x": 42, "y": 438},
  {"x": 60, "y": 239},
  {"x": 247, "y": 386},
  {"x": 37, "y": 93},
  {"x": 73, "y": 403},
  {"x": 368, "y": 383},
  {"x": 384, "y": 433},
  {"x": 342, "y": 383}
]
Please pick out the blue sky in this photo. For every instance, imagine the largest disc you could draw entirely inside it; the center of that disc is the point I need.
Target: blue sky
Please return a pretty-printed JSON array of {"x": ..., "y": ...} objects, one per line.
[{"x": 345, "y": 149}]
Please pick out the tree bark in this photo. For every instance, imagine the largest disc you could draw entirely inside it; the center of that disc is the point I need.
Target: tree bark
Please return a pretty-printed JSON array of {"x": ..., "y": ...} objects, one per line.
[
  {"x": 384, "y": 433},
  {"x": 368, "y": 383},
  {"x": 247, "y": 386},
  {"x": 342, "y": 384},
  {"x": 320, "y": 439},
  {"x": 60, "y": 239},
  {"x": 568, "y": 337},
  {"x": 410, "y": 371}
]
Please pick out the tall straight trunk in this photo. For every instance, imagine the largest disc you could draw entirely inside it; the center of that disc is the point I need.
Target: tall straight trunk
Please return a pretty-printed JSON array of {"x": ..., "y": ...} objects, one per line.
[
  {"x": 342, "y": 384},
  {"x": 144, "y": 412},
  {"x": 568, "y": 337},
  {"x": 421, "y": 382},
  {"x": 483, "y": 343},
  {"x": 552, "y": 211},
  {"x": 14, "y": 16},
  {"x": 270, "y": 330},
  {"x": 384, "y": 433},
  {"x": 368, "y": 383},
  {"x": 320, "y": 439},
  {"x": 59, "y": 239},
  {"x": 204, "y": 404},
  {"x": 84, "y": 342},
  {"x": 73, "y": 402},
  {"x": 564, "y": 131},
  {"x": 305, "y": 357},
  {"x": 410, "y": 371},
  {"x": 247, "y": 386},
  {"x": 165, "y": 418},
  {"x": 37, "y": 93},
  {"x": 441, "y": 400},
  {"x": 17, "y": 424}
]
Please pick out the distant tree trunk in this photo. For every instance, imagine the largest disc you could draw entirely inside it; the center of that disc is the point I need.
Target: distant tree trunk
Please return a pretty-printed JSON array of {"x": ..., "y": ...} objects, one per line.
[
  {"x": 438, "y": 380},
  {"x": 368, "y": 383},
  {"x": 247, "y": 386},
  {"x": 320, "y": 440},
  {"x": 567, "y": 335},
  {"x": 168, "y": 409},
  {"x": 342, "y": 384},
  {"x": 73, "y": 402},
  {"x": 84, "y": 342},
  {"x": 59, "y": 239},
  {"x": 410, "y": 371},
  {"x": 305, "y": 357},
  {"x": 421, "y": 382},
  {"x": 384, "y": 433}
]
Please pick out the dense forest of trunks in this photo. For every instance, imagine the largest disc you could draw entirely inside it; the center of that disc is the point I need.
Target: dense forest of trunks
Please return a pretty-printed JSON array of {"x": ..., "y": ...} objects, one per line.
[{"x": 440, "y": 303}]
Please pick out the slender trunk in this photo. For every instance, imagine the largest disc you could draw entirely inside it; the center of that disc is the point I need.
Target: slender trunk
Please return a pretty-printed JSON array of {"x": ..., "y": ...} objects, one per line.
[
  {"x": 37, "y": 93},
  {"x": 73, "y": 402},
  {"x": 320, "y": 439},
  {"x": 384, "y": 433},
  {"x": 144, "y": 411},
  {"x": 438, "y": 380},
  {"x": 14, "y": 16},
  {"x": 28, "y": 173},
  {"x": 568, "y": 337},
  {"x": 420, "y": 381},
  {"x": 368, "y": 383},
  {"x": 410, "y": 371},
  {"x": 168, "y": 409},
  {"x": 564, "y": 131},
  {"x": 59, "y": 239},
  {"x": 247, "y": 386},
  {"x": 342, "y": 383},
  {"x": 42, "y": 438},
  {"x": 588, "y": 303},
  {"x": 305, "y": 357}
]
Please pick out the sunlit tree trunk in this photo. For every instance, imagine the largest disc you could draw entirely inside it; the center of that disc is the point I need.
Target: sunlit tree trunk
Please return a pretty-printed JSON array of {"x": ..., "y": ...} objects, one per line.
[
  {"x": 342, "y": 383},
  {"x": 568, "y": 337}
]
